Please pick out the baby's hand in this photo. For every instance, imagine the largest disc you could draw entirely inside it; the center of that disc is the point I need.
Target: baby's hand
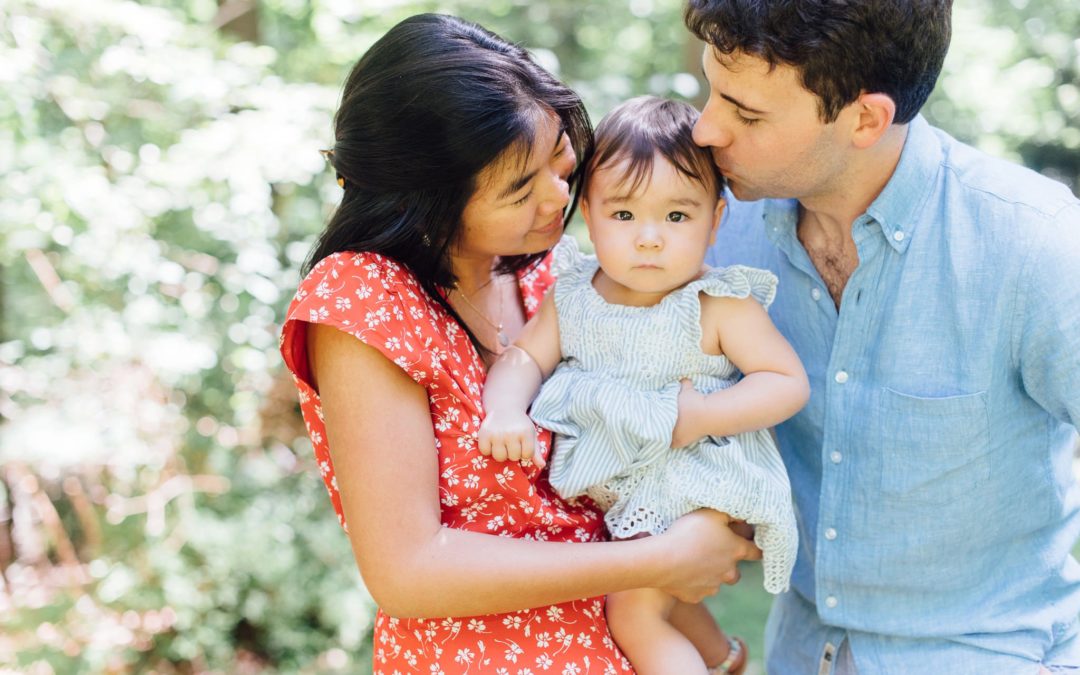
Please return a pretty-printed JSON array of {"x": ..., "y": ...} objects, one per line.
[
  {"x": 509, "y": 435},
  {"x": 686, "y": 429}
]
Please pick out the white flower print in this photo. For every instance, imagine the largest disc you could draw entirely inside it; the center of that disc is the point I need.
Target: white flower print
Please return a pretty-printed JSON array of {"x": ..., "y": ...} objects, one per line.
[
  {"x": 544, "y": 662},
  {"x": 464, "y": 656},
  {"x": 341, "y": 303},
  {"x": 477, "y": 626},
  {"x": 318, "y": 314},
  {"x": 322, "y": 291},
  {"x": 571, "y": 669}
]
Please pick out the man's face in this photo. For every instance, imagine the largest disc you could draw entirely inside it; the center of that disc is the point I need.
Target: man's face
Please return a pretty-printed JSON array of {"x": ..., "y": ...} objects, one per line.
[{"x": 765, "y": 132}]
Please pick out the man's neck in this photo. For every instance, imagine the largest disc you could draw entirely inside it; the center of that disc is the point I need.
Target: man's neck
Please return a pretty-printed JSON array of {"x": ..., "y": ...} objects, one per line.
[{"x": 830, "y": 214}]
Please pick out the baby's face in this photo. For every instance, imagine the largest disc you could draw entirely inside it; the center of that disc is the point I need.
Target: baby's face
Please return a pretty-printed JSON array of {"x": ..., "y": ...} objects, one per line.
[{"x": 652, "y": 240}]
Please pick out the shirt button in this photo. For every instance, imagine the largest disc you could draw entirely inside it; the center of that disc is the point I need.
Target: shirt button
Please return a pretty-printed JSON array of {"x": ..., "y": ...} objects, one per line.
[
  {"x": 830, "y": 534},
  {"x": 831, "y": 601},
  {"x": 898, "y": 235},
  {"x": 841, "y": 376},
  {"x": 815, "y": 294},
  {"x": 835, "y": 456}
]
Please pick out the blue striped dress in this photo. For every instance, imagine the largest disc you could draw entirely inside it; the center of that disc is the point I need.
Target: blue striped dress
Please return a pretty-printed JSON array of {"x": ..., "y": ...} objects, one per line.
[{"x": 612, "y": 402}]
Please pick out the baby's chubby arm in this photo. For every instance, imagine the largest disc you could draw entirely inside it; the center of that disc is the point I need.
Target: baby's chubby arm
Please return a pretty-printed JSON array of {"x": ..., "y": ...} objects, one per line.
[
  {"x": 774, "y": 385},
  {"x": 512, "y": 383}
]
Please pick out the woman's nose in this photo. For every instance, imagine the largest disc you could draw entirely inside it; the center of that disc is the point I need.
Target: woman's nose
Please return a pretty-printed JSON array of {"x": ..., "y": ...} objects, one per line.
[{"x": 556, "y": 192}]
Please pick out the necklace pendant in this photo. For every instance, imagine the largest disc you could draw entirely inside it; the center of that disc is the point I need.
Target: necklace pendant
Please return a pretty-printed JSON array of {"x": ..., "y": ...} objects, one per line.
[{"x": 501, "y": 337}]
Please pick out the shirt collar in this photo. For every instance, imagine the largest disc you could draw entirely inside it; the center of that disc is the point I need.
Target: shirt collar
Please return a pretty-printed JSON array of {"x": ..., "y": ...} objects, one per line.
[{"x": 897, "y": 210}]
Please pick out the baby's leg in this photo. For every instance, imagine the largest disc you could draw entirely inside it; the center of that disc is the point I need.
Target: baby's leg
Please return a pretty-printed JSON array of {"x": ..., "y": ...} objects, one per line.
[
  {"x": 695, "y": 622},
  {"x": 640, "y": 623}
]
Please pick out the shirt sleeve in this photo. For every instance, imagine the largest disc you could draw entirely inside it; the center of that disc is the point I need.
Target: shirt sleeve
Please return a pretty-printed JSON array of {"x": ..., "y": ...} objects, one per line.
[
  {"x": 1048, "y": 336},
  {"x": 369, "y": 297}
]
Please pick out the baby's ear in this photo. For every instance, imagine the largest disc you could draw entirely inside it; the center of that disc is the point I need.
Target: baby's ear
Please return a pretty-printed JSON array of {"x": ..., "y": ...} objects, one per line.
[
  {"x": 718, "y": 214},
  {"x": 586, "y": 216}
]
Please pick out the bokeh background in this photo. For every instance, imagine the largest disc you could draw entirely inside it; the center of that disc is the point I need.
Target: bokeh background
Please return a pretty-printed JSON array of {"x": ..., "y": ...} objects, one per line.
[{"x": 160, "y": 185}]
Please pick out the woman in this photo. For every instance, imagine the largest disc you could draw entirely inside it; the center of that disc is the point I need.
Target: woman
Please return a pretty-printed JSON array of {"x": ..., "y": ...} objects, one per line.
[{"x": 456, "y": 153}]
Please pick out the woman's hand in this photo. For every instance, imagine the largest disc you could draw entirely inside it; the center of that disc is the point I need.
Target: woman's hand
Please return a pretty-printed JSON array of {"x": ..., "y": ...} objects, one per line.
[
  {"x": 508, "y": 434},
  {"x": 705, "y": 553}
]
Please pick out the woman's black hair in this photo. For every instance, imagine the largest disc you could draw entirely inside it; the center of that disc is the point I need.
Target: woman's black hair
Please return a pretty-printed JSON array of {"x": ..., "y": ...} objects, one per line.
[{"x": 431, "y": 103}]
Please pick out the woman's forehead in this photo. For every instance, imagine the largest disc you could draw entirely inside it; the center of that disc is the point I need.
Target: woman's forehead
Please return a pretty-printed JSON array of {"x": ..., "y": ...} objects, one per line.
[{"x": 525, "y": 155}]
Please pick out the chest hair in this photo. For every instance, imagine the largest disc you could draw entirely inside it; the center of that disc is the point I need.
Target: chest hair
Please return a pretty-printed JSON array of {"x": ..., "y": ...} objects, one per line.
[{"x": 834, "y": 260}]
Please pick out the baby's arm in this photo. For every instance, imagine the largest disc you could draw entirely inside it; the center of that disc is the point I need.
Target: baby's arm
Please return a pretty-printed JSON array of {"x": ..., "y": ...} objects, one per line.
[
  {"x": 512, "y": 383},
  {"x": 774, "y": 385}
]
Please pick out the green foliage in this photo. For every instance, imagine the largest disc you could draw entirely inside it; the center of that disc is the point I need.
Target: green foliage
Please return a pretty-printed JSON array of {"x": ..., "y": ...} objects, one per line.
[{"x": 159, "y": 507}]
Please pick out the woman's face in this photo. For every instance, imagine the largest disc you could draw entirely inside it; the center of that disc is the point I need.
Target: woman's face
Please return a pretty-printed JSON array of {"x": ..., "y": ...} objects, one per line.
[{"x": 518, "y": 205}]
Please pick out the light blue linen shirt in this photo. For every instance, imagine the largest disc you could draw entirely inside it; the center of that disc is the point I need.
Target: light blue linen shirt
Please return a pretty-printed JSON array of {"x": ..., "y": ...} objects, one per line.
[{"x": 932, "y": 467}]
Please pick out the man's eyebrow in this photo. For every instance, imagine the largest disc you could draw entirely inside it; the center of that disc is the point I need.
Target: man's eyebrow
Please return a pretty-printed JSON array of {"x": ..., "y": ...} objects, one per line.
[
  {"x": 731, "y": 99},
  {"x": 524, "y": 180},
  {"x": 742, "y": 106}
]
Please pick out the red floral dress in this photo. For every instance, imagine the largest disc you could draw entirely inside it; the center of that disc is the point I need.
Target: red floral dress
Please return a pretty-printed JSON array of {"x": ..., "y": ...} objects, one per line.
[{"x": 380, "y": 302}]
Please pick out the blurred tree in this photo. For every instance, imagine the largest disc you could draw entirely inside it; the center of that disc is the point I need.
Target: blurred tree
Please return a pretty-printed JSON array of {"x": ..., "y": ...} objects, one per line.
[{"x": 159, "y": 510}]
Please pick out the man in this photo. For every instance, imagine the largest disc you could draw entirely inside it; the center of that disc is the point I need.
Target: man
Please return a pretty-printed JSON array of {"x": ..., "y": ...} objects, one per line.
[{"x": 933, "y": 294}]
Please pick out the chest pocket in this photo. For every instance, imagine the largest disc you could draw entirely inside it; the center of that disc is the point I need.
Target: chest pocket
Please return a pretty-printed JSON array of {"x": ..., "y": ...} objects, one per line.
[{"x": 934, "y": 451}]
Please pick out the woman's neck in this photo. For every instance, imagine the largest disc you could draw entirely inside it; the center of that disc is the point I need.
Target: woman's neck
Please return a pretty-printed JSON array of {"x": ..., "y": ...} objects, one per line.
[{"x": 473, "y": 273}]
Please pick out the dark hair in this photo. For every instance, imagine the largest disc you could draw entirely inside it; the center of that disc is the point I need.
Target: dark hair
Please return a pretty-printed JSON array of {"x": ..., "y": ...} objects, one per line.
[
  {"x": 842, "y": 48},
  {"x": 638, "y": 129},
  {"x": 427, "y": 107}
]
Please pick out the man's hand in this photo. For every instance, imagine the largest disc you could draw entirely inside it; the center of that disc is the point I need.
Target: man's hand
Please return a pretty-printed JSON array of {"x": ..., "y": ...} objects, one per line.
[{"x": 507, "y": 435}]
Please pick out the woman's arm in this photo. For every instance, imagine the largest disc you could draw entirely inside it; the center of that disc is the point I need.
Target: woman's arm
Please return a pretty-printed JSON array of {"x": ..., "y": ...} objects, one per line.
[
  {"x": 512, "y": 383},
  {"x": 382, "y": 444},
  {"x": 774, "y": 385}
]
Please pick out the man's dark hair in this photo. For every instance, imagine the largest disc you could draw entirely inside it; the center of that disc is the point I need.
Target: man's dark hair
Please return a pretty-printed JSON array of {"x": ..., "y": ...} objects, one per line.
[{"x": 842, "y": 48}]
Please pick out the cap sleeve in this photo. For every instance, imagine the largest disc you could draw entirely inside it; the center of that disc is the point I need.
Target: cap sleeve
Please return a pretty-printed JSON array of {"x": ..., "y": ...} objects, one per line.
[
  {"x": 567, "y": 259},
  {"x": 738, "y": 281},
  {"x": 368, "y": 296}
]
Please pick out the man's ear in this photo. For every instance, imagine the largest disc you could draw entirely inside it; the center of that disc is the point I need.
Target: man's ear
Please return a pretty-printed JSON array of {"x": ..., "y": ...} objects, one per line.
[
  {"x": 718, "y": 213},
  {"x": 873, "y": 115}
]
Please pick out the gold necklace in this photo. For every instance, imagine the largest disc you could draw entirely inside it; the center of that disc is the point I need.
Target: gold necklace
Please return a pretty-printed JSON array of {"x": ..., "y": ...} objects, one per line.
[{"x": 503, "y": 340}]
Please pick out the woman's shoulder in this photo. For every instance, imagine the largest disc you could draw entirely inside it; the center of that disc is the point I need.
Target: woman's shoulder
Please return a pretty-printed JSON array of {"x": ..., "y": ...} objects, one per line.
[{"x": 351, "y": 280}]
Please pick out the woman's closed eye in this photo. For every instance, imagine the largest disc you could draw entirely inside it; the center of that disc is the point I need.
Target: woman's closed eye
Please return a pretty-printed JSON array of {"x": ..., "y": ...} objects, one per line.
[{"x": 523, "y": 199}]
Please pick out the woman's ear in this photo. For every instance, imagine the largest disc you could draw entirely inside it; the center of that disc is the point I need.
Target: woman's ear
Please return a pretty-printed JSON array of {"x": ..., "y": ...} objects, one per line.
[
  {"x": 718, "y": 213},
  {"x": 874, "y": 114}
]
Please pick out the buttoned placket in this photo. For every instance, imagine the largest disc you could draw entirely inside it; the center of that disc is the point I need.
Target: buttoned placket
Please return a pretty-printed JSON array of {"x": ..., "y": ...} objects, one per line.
[{"x": 842, "y": 384}]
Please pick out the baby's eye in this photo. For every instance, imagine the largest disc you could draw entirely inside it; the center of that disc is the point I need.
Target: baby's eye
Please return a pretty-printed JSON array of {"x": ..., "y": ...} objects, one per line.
[
  {"x": 622, "y": 215},
  {"x": 677, "y": 216}
]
